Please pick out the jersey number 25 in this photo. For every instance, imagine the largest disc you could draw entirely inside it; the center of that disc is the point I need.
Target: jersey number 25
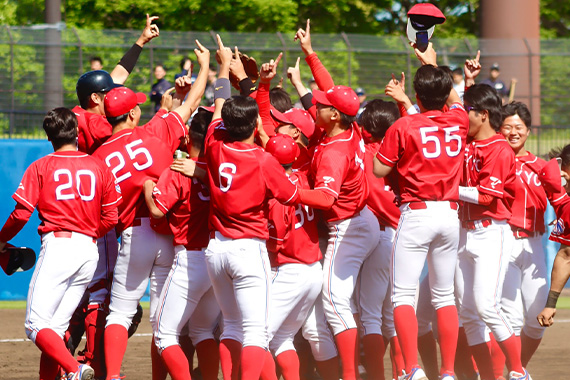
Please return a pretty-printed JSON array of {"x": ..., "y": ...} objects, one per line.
[{"x": 133, "y": 153}]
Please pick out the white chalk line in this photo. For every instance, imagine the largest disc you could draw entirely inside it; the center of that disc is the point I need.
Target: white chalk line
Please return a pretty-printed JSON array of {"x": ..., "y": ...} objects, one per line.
[{"x": 27, "y": 340}]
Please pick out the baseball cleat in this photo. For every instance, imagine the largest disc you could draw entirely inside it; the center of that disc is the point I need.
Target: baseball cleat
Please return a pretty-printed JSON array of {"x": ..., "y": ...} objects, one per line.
[
  {"x": 84, "y": 372},
  {"x": 519, "y": 376},
  {"x": 416, "y": 374},
  {"x": 447, "y": 376}
]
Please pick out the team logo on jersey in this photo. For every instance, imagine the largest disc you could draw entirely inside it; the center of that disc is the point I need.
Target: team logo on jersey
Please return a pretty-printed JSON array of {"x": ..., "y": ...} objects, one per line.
[
  {"x": 117, "y": 187},
  {"x": 495, "y": 181},
  {"x": 328, "y": 180},
  {"x": 165, "y": 115},
  {"x": 21, "y": 186},
  {"x": 558, "y": 227},
  {"x": 156, "y": 191}
]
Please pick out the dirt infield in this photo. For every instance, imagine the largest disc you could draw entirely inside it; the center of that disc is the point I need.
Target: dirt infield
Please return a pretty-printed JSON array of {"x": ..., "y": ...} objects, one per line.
[{"x": 19, "y": 358}]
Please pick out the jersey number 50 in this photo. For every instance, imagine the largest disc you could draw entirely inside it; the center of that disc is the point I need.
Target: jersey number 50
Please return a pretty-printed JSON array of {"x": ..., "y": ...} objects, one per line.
[
  {"x": 434, "y": 151},
  {"x": 132, "y": 154}
]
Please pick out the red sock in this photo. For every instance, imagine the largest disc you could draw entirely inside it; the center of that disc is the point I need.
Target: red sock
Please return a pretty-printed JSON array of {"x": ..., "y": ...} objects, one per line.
[
  {"x": 288, "y": 362},
  {"x": 52, "y": 345},
  {"x": 483, "y": 359},
  {"x": 230, "y": 358},
  {"x": 346, "y": 345},
  {"x": 464, "y": 362},
  {"x": 48, "y": 367},
  {"x": 116, "y": 337},
  {"x": 396, "y": 357},
  {"x": 208, "y": 359},
  {"x": 407, "y": 330},
  {"x": 253, "y": 362},
  {"x": 448, "y": 330},
  {"x": 94, "y": 330},
  {"x": 528, "y": 348},
  {"x": 268, "y": 372},
  {"x": 374, "y": 353},
  {"x": 188, "y": 348},
  {"x": 427, "y": 347},
  {"x": 512, "y": 349},
  {"x": 176, "y": 363},
  {"x": 159, "y": 370},
  {"x": 328, "y": 369},
  {"x": 497, "y": 357}
]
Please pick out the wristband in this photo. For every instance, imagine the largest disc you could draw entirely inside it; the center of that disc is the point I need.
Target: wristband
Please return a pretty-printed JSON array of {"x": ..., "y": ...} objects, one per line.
[
  {"x": 469, "y": 194},
  {"x": 130, "y": 58},
  {"x": 246, "y": 87},
  {"x": 307, "y": 101},
  {"x": 222, "y": 89},
  {"x": 552, "y": 299}
]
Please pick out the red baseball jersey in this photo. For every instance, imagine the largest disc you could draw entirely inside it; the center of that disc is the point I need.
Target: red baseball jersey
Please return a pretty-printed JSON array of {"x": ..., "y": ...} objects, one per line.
[
  {"x": 293, "y": 235},
  {"x": 427, "y": 151},
  {"x": 338, "y": 169},
  {"x": 72, "y": 191},
  {"x": 381, "y": 198},
  {"x": 242, "y": 178},
  {"x": 186, "y": 203},
  {"x": 135, "y": 155},
  {"x": 93, "y": 130},
  {"x": 303, "y": 162},
  {"x": 490, "y": 166}
]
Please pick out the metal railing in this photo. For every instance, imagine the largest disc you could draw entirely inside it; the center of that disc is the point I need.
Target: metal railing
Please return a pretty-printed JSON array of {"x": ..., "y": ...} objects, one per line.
[{"x": 356, "y": 60}]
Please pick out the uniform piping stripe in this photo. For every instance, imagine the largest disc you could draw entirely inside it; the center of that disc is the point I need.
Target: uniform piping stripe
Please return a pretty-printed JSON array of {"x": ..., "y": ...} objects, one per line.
[
  {"x": 164, "y": 208},
  {"x": 167, "y": 284},
  {"x": 275, "y": 274},
  {"x": 559, "y": 239},
  {"x": 335, "y": 250},
  {"x": 340, "y": 140},
  {"x": 240, "y": 150},
  {"x": 497, "y": 285},
  {"x": 22, "y": 198},
  {"x": 492, "y": 190},
  {"x": 64, "y": 156},
  {"x": 327, "y": 188},
  {"x": 112, "y": 203},
  {"x": 266, "y": 288},
  {"x": 396, "y": 237},
  {"x": 292, "y": 196},
  {"x": 33, "y": 286},
  {"x": 179, "y": 120},
  {"x": 385, "y": 158},
  {"x": 558, "y": 199},
  {"x": 490, "y": 143}
]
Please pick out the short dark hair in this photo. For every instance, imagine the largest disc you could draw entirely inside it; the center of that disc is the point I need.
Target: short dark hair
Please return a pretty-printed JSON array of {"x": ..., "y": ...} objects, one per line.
[
  {"x": 240, "y": 114},
  {"x": 563, "y": 153},
  {"x": 199, "y": 126},
  {"x": 346, "y": 120},
  {"x": 280, "y": 99},
  {"x": 520, "y": 109},
  {"x": 85, "y": 101},
  {"x": 183, "y": 61},
  {"x": 432, "y": 86},
  {"x": 96, "y": 58},
  {"x": 117, "y": 119},
  {"x": 378, "y": 116},
  {"x": 483, "y": 97},
  {"x": 60, "y": 125}
]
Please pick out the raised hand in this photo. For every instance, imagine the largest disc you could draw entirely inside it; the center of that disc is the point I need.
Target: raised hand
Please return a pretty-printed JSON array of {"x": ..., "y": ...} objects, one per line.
[
  {"x": 294, "y": 73},
  {"x": 472, "y": 67},
  {"x": 223, "y": 54},
  {"x": 203, "y": 55},
  {"x": 269, "y": 70},
  {"x": 304, "y": 37},
  {"x": 149, "y": 32},
  {"x": 236, "y": 66},
  {"x": 166, "y": 101},
  {"x": 428, "y": 57}
]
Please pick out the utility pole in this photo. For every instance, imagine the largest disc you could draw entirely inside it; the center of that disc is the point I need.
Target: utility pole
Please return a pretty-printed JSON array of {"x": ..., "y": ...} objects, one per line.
[{"x": 53, "y": 69}]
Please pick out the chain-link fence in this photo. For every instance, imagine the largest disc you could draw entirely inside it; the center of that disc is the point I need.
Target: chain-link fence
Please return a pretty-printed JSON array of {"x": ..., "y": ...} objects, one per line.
[{"x": 27, "y": 85}]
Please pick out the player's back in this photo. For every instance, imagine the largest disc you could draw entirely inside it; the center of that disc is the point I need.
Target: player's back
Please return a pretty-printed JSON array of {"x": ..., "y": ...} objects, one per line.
[
  {"x": 70, "y": 194},
  {"x": 428, "y": 149},
  {"x": 92, "y": 130}
]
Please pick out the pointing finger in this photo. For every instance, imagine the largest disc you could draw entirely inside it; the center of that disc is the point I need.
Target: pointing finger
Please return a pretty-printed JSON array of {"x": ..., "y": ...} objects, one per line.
[
  {"x": 220, "y": 43},
  {"x": 200, "y": 46},
  {"x": 297, "y": 63},
  {"x": 308, "y": 28},
  {"x": 478, "y": 55},
  {"x": 278, "y": 59}
]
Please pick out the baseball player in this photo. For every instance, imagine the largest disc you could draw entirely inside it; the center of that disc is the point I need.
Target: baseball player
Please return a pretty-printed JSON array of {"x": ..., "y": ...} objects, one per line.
[
  {"x": 525, "y": 288},
  {"x": 487, "y": 238},
  {"x": 425, "y": 149},
  {"x": 242, "y": 178},
  {"x": 373, "y": 286},
  {"x": 134, "y": 155},
  {"x": 298, "y": 124},
  {"x": 77, "y": 202},
  {"x": 295, "y": 261},
  {"x": 560, "y": 234},
  {"x": 187, "y": 296}
]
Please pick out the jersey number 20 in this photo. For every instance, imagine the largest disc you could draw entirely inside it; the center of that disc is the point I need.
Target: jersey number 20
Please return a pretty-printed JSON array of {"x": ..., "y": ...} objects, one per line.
[
  {"x": 433, "y": 150},
  {"x": 65, "y": 176}
]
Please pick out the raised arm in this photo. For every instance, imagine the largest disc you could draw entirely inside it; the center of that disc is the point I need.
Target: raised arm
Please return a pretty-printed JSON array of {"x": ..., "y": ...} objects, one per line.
[
  {"x": 320, "y": 73},
  {"x": 472, "y": 69},
  {"x": 222, "y": 89},
  {"x": 127, "y": 63},
  {"x": 266, "y": 74}
]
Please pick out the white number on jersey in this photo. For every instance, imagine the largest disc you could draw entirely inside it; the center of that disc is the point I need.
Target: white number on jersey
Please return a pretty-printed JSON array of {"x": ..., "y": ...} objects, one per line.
[
  {"x": 228, "y": 176},
  {"x": 300, "y": 213},
  {"x": 132, "y": 155},
  {"x": 60, "y": 191},
  {"x": 451, "y": 141}
]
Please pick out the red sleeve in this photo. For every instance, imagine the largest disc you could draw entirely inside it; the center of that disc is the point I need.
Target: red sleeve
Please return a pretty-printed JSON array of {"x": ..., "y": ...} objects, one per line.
[
  {"x": 109, "y": 203},
  {"x": 278, "y": 224},
  {"x": 264, "y": 105},
  {"x": 331, "y": 172},
  {"x": 28, "y": 192},
  {"x": 561, "y": 231},
  {"x": 389, "y": 152},
  {"x": 277, "y": 182},
  {"x": 316, "y": 199},
  {"x": 210, "y": 135},
  {"x": 402, "y": 109},
  {"x": 496, "y": 168},
  {"x": 16, "y": 221},
  {"x": 169, "y": 190},
  {"x": 169, "y": 128},
  {"x": 320, "y": 73}
]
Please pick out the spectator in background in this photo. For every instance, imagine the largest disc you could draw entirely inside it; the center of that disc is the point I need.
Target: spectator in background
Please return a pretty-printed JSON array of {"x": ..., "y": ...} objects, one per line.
[
  {"x": 186, "y": 67},
  {"x": 96, "y": 63},
  {"x": 361, "y": 98},
  {"x": 209, "y": 92},
  {"x": 458, "y": 81},
  {"x": 159, "y": 88},
  {"x": 494, "y": 81},
  {"x": 313, "y": 85}
]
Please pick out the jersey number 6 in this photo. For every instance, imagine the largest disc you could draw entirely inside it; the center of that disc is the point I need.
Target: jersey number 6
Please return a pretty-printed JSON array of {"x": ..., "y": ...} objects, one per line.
[{"x": 435, "y": 143}]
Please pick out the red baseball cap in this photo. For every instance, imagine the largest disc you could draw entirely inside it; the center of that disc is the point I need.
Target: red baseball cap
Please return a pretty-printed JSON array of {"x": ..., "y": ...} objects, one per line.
[
  {"x": 121, "y": 100},
  {"x": 298, "y": 118},
  {"x": 422, "y": 18},
  {"x": 283, "y": 148},
  {"x": 342, "y": 98}
]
